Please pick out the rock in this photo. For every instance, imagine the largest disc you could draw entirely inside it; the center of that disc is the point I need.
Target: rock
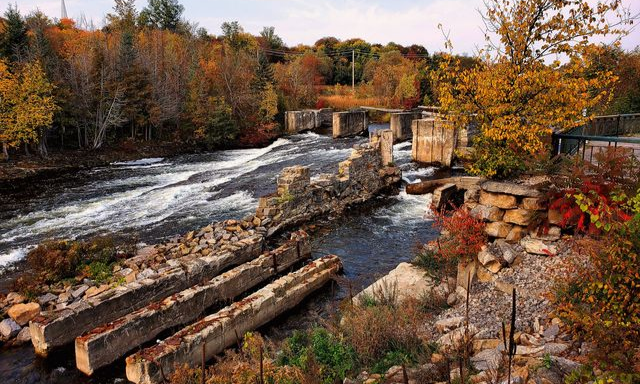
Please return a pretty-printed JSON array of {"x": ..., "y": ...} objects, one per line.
[
  {"x": 555, "y": 348},
  {"x": 452, "y": 299},
  {"x": 552, "y": 234},
  {"x": 64, "y": 297},
  {"x": 9, "y": 329},
  {"x": 498, "y": 229},
  {"x": 488, "y": 359},
  {"x": 565, "y": 366},
  {"x": 437, "y": 358},
  {"x": 455, "y": 339},
  {"x": 24, "y": 336},
  {"x": 485, "y": 213},
  {"x": 530, "y": 340},
  {"x": 555, "y": 217},
  {"x": 519, "y": 216},
  {"x": 534, "y": 203},
  {"x": 93, "y": 291},
  {"x": 23, "y": 313},
  {"x": 15, "y": 298},
  {"x": 489, "y": 260},
  {"x": 516, "y": 234},
  {"x": 447, "y": 325},
  {"x": 537, "y": 247},
  {"x": 498, "y": 200},
  {"x": 484, "y": 275},
  {"x": 524, "y": 350},
  {"x": 466, "y": 273},
  {"x": 405, "y": 281},
  {"x": 47, "y": 298},
  {"x": 482, "y": 344},
  {"x": 442, "y": 195},
  {"x": 508, "y": 253},
  {"x": 551, "y": 332},
  {"x": 472, "y": 195},
  {"x": 79, "y": 291},
  {"x": 510, "y": 188}
]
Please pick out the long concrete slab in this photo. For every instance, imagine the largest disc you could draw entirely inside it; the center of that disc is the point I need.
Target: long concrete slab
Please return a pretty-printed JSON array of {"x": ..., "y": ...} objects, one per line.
[
  {"x": 349, "y": 123},
  {"x": 58, "y": 328},
  {"x": 216, "y": 332},
  {"x": 109, "y": 342}
]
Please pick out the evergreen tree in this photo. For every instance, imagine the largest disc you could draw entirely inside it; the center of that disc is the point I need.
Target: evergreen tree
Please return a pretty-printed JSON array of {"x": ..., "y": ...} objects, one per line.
[
  {"x": 264, "y": 74},
  {"x": 13, "y": 38},
  {"x": 163, "y": 14}
]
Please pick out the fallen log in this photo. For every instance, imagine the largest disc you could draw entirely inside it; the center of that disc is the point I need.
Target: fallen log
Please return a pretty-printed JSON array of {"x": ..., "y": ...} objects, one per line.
[
  {"x": 214, "y": 333},
  {"x": 428, "y": 186},
  {"x": 61, "y": 327},
  {"x": 109, "y": 342}
]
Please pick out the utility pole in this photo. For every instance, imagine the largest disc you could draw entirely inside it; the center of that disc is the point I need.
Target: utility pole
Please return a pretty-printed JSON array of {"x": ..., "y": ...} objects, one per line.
[{"x": 353, "y": 71}]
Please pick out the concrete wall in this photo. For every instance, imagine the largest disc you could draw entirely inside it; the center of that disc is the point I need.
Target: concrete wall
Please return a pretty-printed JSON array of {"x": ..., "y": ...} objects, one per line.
[
  {"x": 299, "y": 121},
  {"x": 401, "y": 124},
  {"x": 220, "y": 330},
  {"x": 350, "y": 123},
  {"x": 434, "y": 141},
  {"x": 385, "y": 138},
  {"x": 299, "y": 199}
]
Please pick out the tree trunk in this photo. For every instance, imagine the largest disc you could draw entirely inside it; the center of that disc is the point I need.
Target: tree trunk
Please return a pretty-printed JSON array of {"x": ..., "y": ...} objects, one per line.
[
  {"x": 42, "y": 144},
  {"x": 5, "y": 151},
  {"x": 26, "y": 149}
]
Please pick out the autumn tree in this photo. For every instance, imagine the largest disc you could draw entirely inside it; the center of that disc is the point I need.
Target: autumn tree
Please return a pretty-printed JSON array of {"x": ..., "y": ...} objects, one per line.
[
  {"x": 26, "y": 107},
  {"x": 531, "y": 79},
  {"x": 299, "y": 79}
]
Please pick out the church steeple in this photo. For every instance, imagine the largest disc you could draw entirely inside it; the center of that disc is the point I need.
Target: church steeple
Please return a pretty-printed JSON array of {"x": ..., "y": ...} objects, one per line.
[{"x": 63, "y": 11}]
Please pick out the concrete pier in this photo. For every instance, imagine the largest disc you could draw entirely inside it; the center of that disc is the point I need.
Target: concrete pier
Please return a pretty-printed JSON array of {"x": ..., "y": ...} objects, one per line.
[
  {"x": 216, "y": 332},
  {"x": 434, "y": 141},
  {"x": 350, "y": 123},
  {"x": 109, "y": 342},
  {"x": 306, "y": 120},
  {"x": 58, "y": 328},
  {"x": 401, "y": 125}
]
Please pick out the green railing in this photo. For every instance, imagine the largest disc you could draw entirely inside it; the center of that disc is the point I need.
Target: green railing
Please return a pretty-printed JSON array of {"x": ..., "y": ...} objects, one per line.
[{"x": 587, "y": 146}]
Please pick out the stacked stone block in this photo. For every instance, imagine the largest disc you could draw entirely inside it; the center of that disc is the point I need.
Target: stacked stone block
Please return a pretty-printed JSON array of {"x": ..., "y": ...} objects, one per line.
[{"x": 511, "y": 211}]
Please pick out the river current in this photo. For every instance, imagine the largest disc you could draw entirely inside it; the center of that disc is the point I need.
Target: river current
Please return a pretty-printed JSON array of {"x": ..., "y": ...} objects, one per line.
[{"x": 158, "y": 198}]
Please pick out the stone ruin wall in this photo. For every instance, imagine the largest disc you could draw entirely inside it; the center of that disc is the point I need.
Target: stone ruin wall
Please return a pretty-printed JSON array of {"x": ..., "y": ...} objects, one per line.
[
  {"x": 308, "y": 119},
  {"x": 299, "y": 198},
  {"x": 513, "y": 211}
]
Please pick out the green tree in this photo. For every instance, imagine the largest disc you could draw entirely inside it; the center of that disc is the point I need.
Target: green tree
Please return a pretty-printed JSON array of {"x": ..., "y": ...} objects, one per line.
[
  {"x": 124, "y": 16},
  {"x": 163, "y": 14},
  {"x": 13, "y": 37},
  {"x": 271, "y": 40}
]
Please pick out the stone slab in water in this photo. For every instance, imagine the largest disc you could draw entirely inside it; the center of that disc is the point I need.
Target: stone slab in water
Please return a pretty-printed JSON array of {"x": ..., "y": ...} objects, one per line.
[{"x": 220, "y": 330}]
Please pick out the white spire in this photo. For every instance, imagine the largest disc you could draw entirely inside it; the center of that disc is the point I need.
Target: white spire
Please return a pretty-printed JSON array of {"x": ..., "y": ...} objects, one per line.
[{"x": 63, "y": 11}]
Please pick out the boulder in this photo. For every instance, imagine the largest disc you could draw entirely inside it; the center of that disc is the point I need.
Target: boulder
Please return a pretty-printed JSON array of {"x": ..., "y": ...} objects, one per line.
[
  {"x": 15, "y": 298},
  {"x": 449, "y": 324},
  {"x": 404, "y": 281},
  {"x": 553, "y": 233},
  {"x": 47, "y": 298},
  {"x": 537, "y": 247},
  {"x": 519, "y": 216},
  {"x": 534, "y": 203},
  {"x": 511, "y": 189},
  {"x": 23, "y": 313},
  {"x": 472, "y": 195},
  {"x": 79, "y": 291},
  {"x": 498, "y": 200},
  {"x": 485, "y": 213},
  {"x": 488, "y": 260},
  {"x": 455, "y": 339},
  {"x": 9, "y": 329},
  {"x": 24, "y": 336},
  {"x": 498, "y": 229},
  {"x": 516, "y": 234},
  {"x": 555, "y": 217},
  {"x": 508, "y": 253},
  {"x": 488, "y": 359},
  {"x": 442, "y": 195}
]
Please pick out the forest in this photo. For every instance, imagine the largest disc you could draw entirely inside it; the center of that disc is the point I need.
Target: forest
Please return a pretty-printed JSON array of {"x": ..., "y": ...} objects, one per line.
[{"x": 152, "y": 76}]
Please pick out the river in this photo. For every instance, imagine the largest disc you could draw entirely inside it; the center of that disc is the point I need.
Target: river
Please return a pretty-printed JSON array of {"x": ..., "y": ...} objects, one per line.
[{"x": 158, "y": 198}]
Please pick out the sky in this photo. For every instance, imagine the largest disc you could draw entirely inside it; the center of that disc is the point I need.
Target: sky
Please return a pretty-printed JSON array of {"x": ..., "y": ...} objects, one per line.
[{"x": 305, "y": 21}]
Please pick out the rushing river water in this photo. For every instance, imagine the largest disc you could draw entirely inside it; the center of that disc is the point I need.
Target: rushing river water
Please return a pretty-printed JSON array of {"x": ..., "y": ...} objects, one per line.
[{"x": 157, "y": 198}]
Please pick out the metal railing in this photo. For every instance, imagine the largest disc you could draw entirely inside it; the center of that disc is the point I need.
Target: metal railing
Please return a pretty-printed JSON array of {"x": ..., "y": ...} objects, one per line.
[{"x": 587, "y": 146}]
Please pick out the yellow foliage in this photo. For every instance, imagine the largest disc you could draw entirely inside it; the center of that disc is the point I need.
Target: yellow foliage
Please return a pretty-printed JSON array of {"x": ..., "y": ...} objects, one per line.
[
  {"x": 516, "y": 94},
  {"x": 27, "y": 105}
]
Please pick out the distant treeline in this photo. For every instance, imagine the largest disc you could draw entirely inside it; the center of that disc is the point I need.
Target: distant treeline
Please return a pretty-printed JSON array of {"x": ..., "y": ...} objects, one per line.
[{"x": 152, "y": 75}]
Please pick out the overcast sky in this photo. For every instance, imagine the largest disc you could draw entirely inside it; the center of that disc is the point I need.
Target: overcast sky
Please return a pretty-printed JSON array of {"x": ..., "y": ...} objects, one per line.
[{"x": 305, "y": 21}]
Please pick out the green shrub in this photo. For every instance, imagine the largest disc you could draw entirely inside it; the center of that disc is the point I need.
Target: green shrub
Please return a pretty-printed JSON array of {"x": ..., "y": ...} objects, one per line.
[
  {"x": 495, "y": 159},
  {"x": 319, "y": 350},
  {"x": 393, "y": 358}
]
